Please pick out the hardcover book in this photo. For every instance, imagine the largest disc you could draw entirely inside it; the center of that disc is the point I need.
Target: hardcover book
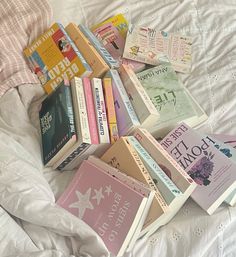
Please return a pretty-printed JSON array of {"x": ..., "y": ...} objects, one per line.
[
  {"x": 148, "y": 45},
  {"x": 112, "y": 34},
  {"x": 110, "y": 109},
  {"x": 111, "y": 62},
  {"x": 170, "y": 98},
  {"x": 107, "y": 205},
  {"x": 57, "y": 112},
  {"x": 146, "y": 111},
  {"x": 90, "y": 54},
  {"x": 123, "y": 156},
  {"x": 127, "y": 119},
  {"x": 100, "y": 110},
  {"x": 213, "y": 172},
  {"x": 54, "y": 57},
  {"x": 132, "y": 183}
]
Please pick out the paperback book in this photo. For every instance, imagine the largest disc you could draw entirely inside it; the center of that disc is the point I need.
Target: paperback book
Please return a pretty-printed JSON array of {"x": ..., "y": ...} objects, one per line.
[
  {"x": 213, "y": 172},
  {"x": 54, "y": 57},
  {"x": 107, "y": 205}
]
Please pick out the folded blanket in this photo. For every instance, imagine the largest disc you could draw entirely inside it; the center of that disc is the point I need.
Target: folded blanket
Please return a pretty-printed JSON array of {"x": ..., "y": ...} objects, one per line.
[{"x": 20, "y": 22}]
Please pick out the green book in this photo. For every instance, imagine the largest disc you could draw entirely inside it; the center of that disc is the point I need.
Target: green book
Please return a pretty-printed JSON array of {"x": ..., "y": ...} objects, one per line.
[
  {"x": 171, "y": 99},
  {"x": 57, "y": 124}
]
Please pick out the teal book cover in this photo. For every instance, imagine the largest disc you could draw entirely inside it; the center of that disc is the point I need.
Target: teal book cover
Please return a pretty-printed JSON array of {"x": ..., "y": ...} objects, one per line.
[{"x": 57, "y": 123}]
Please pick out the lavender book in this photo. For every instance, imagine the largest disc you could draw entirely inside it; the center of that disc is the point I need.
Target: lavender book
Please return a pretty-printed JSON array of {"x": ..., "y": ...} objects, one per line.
[
  {"x": 107, "y": 205},
  {"x": 213, "y": 172}
]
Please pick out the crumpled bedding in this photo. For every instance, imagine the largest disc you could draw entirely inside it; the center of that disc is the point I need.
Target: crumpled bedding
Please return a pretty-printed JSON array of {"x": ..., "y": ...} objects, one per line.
[{"x": 33, "y": 226}]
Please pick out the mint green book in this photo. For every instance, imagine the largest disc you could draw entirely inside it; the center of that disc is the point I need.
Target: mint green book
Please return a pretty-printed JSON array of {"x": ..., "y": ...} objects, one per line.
[
  {"x": 167, "y": 188},
  {"x": 171, "y": 99}
]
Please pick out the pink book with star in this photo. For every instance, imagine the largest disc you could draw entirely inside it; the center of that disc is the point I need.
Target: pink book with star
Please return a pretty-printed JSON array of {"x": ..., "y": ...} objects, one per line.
[{"x": 107, "y": 205}]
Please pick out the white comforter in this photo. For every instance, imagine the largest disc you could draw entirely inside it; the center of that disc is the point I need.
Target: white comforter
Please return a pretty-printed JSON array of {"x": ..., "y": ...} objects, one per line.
[{"x": 33, "y": 226}]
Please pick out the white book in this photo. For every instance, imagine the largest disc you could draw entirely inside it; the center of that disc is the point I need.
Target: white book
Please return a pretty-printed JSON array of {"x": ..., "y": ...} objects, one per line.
[
  {"x": 146, "y": 111},
  {"x": 80, "y": 110},
  {"x": 100, "y": 110},
  {"x": 127, "y": 119}
]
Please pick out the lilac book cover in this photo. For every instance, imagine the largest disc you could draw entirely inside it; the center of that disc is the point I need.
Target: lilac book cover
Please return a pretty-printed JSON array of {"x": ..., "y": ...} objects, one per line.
[{"x": 213, "y": 172}]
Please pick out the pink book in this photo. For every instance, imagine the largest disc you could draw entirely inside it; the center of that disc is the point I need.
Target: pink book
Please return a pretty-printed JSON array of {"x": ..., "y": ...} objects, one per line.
[
  {"x": 213, "y": 172},
  {"x": 226, "y": 139},
  {"x": 107, "y": 205},
  {"x": 90, "y": 111}
]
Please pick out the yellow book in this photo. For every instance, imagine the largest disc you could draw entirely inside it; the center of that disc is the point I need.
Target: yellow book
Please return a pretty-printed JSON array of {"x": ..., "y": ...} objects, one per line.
[
  {"x": 110, "y": 108},
  {"x": 54, "y": 57},
  {"x": 90, "y": 54},
  {"x": 117, "y": 21}
]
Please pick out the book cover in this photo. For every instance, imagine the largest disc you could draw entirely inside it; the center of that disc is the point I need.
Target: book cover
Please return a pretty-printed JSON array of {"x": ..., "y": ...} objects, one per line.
[
  {"x": 80, "y": 109},
  {"x": 146, "y": 111},
  {"x": 226, "y": 139},
  {"x": 127, "y": 119},
  {"x": 100, "y": 110},
  {"x": 169, "y": 97},
  {"x": 230, "y": 152},
  {"x": 107, "y": 205},
  {"x": 148, "y": 45},
  {"x": 54, "y": 57},
  {"x": 213, "y": 172},
  {"x": 90, "y": 54},
  {"x": 112, "y": 34},
  {"x": 57, "y": 124},
  {"x": 90, "y": 111},
  {"x": 110, "y": 109},
  {"x": 132, "y": 183},
  {"x": 122, "y": 156},
  {"x": 111, "y": 62}
]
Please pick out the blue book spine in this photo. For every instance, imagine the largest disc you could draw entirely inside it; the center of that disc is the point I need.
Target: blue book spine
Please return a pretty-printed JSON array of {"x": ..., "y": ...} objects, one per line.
[
  {"x": 111, "y": 62},
  {"x": 167, "y": 188}
]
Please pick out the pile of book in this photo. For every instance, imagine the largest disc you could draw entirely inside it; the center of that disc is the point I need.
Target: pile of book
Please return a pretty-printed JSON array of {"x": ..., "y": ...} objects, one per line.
[{"x": 112, "y": 91}]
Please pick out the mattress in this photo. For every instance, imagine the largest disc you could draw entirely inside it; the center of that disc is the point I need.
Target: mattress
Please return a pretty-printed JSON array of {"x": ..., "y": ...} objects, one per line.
[{"x": 32, "y": 225}]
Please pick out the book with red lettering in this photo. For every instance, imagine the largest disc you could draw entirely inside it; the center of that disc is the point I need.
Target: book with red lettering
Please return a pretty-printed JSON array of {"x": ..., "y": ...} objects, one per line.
[
  {"x": 213, "y": 172},
  {"x": 109, "y": 206}
]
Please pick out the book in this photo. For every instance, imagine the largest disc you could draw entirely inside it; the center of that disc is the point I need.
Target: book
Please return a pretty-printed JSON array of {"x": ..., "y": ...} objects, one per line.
[
  {"x": 146, "y": 111},
  {"x": 132, "y": 183},
  {"x": 90, "y": 111},
  {"x": 90, "y": 54},
  {"x": 213, "y": 172},
  {"x": 111, "y": 62},
  {"x": 148, "y": 45},
  {"x": 57, "y": 112},
  {"x": 110, "y": 109},
  {"x": 230, "y": 152},
  {"x": 123, "y": 156},
  {"x": 106, "y": 204},
  {"x": 172, "y": 169},
  {"x": 54, "y": 57},
  {"x": 170, "y": 98},
  {"x": 226, "y": 139},
  {"x": 112, "y": 34},
  {"x": 100, "y": 110},
  {"x": 127, "y": 119}
]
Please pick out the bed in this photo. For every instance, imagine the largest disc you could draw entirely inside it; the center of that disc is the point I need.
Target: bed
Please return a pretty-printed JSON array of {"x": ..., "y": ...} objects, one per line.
[{"x": 31, "y": 224}]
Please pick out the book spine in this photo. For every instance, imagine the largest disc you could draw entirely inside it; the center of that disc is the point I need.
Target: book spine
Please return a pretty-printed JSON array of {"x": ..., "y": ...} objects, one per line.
[
  {"x": 101, "y": 50},
  {"x": 146, "y": 175},
  {"x": 83, "y": 116},
  {"x": 80, "y": 56},
  {"x": 110, "y": 108},
  {"x": 100, "y": 109},
  {"x": 90, "y": 111},
  {"x": 76, "y": 153},
  {"x": 165, "y": 185}
]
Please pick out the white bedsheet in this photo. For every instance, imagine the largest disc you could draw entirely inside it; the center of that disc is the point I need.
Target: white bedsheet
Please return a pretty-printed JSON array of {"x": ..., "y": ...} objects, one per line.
[{"x": 28, "y": 191}]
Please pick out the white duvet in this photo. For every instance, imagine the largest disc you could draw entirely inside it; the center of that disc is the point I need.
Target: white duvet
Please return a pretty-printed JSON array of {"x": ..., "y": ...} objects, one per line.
[{"x": 31, "y": 225}]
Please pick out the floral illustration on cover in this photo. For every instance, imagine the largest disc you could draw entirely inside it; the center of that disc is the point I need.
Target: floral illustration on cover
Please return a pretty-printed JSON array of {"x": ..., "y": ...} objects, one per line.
[
  {"x": 225, "y": 151},
  {"x": 202, "y": 170}
]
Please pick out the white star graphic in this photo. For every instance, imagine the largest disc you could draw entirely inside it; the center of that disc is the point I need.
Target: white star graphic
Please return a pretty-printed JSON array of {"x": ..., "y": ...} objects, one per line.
[
  {"x": 83, "y": 203},
  {"x": 108, "y": 190},
  {"x": 98, "y": 195}
]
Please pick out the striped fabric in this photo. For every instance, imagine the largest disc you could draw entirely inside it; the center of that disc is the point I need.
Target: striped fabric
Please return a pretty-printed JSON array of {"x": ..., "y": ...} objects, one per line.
[{"x": 21, "y": 22}]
